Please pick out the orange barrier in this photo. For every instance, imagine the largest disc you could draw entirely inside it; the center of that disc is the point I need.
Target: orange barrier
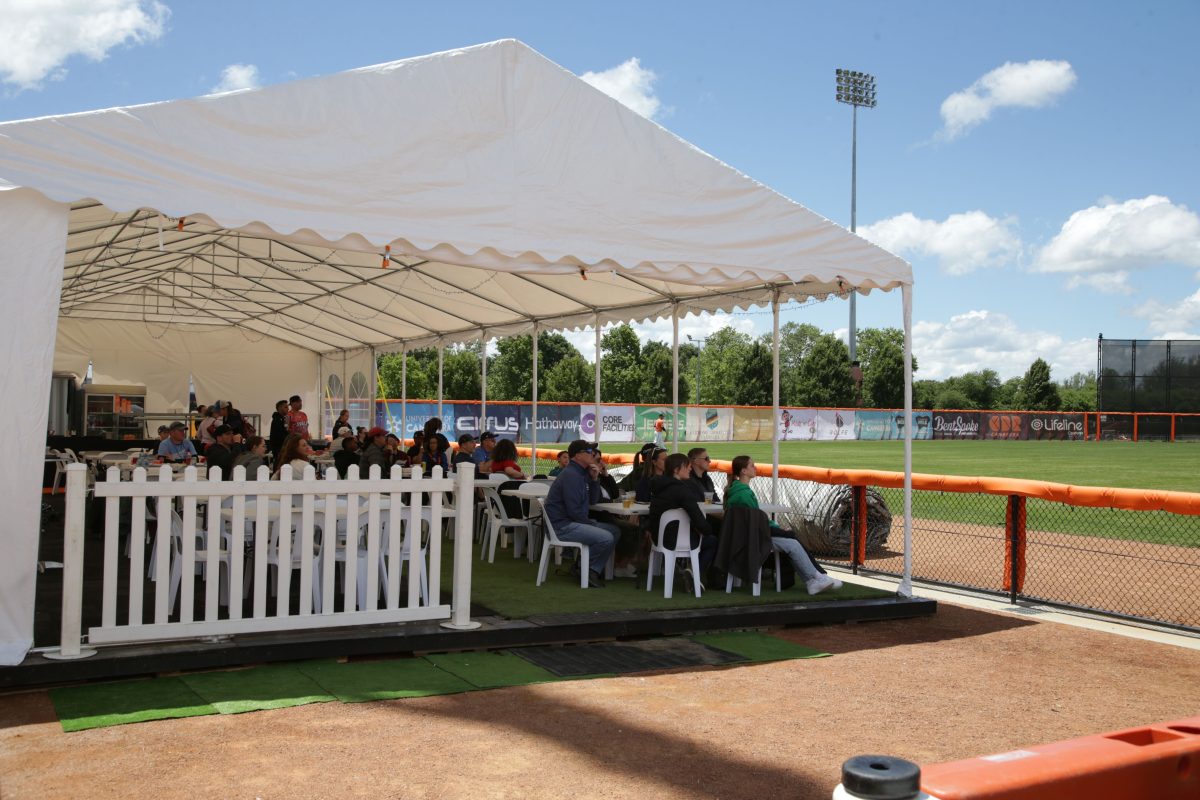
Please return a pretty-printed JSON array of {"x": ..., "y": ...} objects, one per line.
[{"x": 1158, "y": 761}]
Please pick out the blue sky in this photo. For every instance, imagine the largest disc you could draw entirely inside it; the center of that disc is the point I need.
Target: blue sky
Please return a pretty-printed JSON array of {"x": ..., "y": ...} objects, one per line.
[{"x": 1038, "y": 163}]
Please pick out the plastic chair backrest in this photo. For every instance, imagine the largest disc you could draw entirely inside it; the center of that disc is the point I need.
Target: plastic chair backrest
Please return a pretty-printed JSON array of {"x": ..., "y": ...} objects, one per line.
[
  {"x": 685, "y": 529},
  {"x": 550, "y": 534}
]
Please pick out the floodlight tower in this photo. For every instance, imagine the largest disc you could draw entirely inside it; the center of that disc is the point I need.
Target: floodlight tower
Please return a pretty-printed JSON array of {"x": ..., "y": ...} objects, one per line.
[{"x": 855, "y": 89}]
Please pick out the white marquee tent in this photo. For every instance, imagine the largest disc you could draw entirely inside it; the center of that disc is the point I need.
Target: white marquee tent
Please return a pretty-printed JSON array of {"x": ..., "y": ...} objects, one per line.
[{"x": 244, "y": 238}]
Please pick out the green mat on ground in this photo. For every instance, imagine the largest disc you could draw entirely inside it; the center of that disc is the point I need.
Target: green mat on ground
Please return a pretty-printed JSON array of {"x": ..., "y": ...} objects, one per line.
[
  {"x": 757, "y": 646},
  {"x": 101, "y": 705},
  {"x": 492, "y": 670},
  {"x": 277, "y": 686},
  {"x": 384, "y": 680}
]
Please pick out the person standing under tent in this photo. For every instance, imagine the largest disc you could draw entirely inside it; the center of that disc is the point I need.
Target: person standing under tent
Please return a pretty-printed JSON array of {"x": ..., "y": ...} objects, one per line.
[
  {"x": 279, "y": 427},
  {"x": 297, "y": 420},
  {"x": 342, "y": 426}
]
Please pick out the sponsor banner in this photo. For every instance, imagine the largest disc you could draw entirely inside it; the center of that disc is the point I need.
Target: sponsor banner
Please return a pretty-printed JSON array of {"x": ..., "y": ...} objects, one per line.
[
  {"x": 879, "y": 425},
  {"x": 616, "y": 423},
  {"x": 390, "y": 415},
  {"x": 752, "y": 424},
  {"x": 648, "y": 415},
  {"x": 955, "y": 425},
  {"x": 709, "y": 424},
  {"x": 555, "y": 424},
  {"x": 1052, "y": 426},
  {"x": 999, "y": 426},
  {"x": 807, "y": 424}
]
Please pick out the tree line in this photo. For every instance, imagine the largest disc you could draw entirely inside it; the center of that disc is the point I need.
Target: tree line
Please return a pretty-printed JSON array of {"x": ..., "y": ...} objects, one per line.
[{"x": 727, "y": 368}]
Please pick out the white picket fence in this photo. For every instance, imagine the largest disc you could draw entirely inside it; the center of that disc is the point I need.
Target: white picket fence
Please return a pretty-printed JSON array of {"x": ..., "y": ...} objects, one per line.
[{"x": 254, "y": 537}]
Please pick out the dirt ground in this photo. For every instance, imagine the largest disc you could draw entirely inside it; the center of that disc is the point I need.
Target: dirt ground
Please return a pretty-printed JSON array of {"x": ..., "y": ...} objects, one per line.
[{"x": 962, "y": 683}]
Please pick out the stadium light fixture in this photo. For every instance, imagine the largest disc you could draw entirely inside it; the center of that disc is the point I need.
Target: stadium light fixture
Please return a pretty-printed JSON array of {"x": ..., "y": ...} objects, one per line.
[{"x": 856, "y": 89}]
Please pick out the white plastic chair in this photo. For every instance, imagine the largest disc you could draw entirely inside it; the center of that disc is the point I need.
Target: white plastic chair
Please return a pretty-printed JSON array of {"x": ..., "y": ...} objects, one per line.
[
  {"x": 498, "y": 522},
  {"x": 60, "y": 466},
  {"x": 340, "y": 557},
  {"x": 552, "y": 542},
  {"x": 201, "y": 556},
  {"x": 273, "y": 562},
  {"x": 683, "y": 549},
  {"x": 756, "y": 587}
]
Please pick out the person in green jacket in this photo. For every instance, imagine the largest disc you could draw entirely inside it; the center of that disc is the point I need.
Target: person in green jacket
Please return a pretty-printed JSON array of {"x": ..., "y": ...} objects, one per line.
[{"x": 739, "y": 493}]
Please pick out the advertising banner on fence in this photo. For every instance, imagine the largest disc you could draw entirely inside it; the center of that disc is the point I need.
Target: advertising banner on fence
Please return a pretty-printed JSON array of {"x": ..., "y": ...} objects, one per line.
[
  {"x": 555, "y": 423},
  {"x": 955, "y": 425},
  {"x": 648, "y": 415},
  {"x": 808, "y": 424},
  {"x": 616, "y": 423},
  {"x": 752, "y": 424},
  {"x": 993, "y": 425},
  {"x": 709, "y": 425},
  {"x": 390, "y": 415},
  {"x": 503, "y": 419},
  {"x": 877, "y": 425},
  {"x": 1052, "y": 426}
]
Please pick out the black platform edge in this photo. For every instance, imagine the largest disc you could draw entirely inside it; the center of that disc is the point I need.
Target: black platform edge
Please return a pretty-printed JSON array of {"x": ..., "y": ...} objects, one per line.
[{"x": 127, "y": 661}]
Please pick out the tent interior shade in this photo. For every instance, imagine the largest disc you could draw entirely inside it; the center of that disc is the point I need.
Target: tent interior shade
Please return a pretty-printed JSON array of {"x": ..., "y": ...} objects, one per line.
[{"x": 144, "y": 267}]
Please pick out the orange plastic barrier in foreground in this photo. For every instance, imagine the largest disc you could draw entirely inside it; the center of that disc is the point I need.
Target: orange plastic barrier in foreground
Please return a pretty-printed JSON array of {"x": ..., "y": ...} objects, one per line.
[{"x": 1158, "y": 761}]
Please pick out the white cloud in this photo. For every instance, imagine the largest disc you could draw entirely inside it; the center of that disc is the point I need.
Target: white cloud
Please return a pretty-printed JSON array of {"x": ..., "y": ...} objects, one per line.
[
  {"x": 1031, "y": 84},
  {"x": 39, "y": 36},
  {"x": 1104, "y": 282},
  {"x": 1115, "y": 237},
  {"x": 990, "y": 340},
  {"x": 236, "y": 77},
  {"x": 962, "y": 243},
  {"x": 1172, "y": 320},
  {"x": 630, "y": 84}
]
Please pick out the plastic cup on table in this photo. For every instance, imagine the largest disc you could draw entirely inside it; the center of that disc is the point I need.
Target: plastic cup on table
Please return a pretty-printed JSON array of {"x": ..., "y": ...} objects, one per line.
[
  {"x": 708, "y": 497},
  {"x": 627, "y": 500}
]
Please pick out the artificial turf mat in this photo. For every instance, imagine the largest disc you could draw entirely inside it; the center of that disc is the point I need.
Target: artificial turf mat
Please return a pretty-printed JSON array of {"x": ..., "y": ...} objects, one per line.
[
  {"x": 492, "y": 670},
  {"x": 622, "y": 657},
  {"x": 359, "y": 682},
  {"x": 754, "y": 646},
  {"x": 101, "y": 705},
  {"x": 275, "y": 686},
  {"x": 508, "y": 588}
]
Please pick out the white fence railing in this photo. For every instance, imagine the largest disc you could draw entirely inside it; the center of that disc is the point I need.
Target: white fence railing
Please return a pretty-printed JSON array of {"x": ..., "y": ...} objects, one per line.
[{"x": 248, "y": 540}]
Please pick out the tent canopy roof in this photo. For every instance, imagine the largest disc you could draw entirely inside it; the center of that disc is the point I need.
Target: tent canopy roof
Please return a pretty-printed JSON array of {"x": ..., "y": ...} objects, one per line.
[{"x": 509, "y": 192}]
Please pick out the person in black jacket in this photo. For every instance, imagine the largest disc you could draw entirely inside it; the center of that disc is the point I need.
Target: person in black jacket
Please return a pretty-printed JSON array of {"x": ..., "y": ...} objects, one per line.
[
  {"x": 670, "y": 491},
  {"x": 279, "y": 429},
  {"x": 225, "y": 447}
]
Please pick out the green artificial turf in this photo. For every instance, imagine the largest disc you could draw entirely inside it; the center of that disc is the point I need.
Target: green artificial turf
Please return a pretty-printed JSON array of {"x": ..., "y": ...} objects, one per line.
[
  {"x": 275, "y": 686},
  {"x": 755, "y": 646},
  {"x": 359, "y": 682},
  {"x": 507, "y": 588},
  {"x": 491, "y": 670},
  {"x": 101, "y": 705}
]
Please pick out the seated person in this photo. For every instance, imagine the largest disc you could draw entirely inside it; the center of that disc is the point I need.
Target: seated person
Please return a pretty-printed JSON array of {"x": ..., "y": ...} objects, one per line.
[
  {"x": 563, "y": 460},
  {"x": 176, "y": 447},
  {"x": 225, "y": 447},
  {"x": 608, "y": 484},
  {"x": 572, "y": 492},
  {"x": 295, "y": 452},
  {"x": 253, "y": 457},
  {"x": 740, "y": 494},
  {"x": 434, "y": 454},
  {"x": 701, "y": 481},
  {"x": 375, "y": 454},
  {"x": 504, "y": 459},
  {"x": 414, "y": 452},
  {"x": 346, "y": 455},
  {"x": 671, "y": 491},
  {"x": 653, "y": 466},
  {"x": 629, "y": 482},
  {"x": 483, "y": 454},
  {"x": 396, "y": 453},
  {"x": 466, "y": 453}
]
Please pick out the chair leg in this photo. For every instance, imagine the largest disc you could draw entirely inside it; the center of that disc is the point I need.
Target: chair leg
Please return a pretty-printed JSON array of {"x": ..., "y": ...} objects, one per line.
[
  {"x": 668, "y": 575},
  {"x": 756, "y": 587},
  {"x": 695, "y": 559},
  {"x": 585, "y": 566},
  {"x": 543, "y": 564},
  {"x": 729, "y": 579},
  {"x": 650, "y": 570}
]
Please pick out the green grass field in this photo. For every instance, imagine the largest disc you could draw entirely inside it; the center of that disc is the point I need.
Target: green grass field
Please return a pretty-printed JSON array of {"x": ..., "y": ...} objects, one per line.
[{"x": 1134, "y": 465}]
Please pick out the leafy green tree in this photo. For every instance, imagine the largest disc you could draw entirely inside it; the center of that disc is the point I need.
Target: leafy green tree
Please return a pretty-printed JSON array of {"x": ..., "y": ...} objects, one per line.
[
  {"x": 980, "y": 388},
  {"x": 570, "y": 380},
  {"x": 1008, "y": 395},
  {"x": 825, "y": 374},
  {"x": 1078, "y": 392},
  {"x": 422, "y": 374},
  {"x": 620, "y": 370},
  {"x": 689, "y": 355},
  {"x": 655, "y": 387},
  {"x": 1038, "y": 392},
  {"x": 753, "y": 387},
  {"x": 720, "y": 365},
  {"x": 952, "y": 397},
  {"x": 871, "y": 341},
  {"x": 460, "y": 373},
  {"x": 883, "y": 383},
  {"x": 795, "y": 342},
  {"x": 510, "y": 374},
  {"x": 925, "y": 393}
]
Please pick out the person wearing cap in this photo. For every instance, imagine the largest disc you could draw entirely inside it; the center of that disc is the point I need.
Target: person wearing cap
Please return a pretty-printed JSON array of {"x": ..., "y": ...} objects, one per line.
[
  {"x": 176, "y": 447},
  {"x": 226, "y": 446},
  {"x": 567, "y": 504},
  {"x": 466, "y": 451},
  {"x": 483, "y": 454},
  {"x": 375, "y": 453},
  {"x": 297, "y": 420},
  {"x": 346, "y": 456}
]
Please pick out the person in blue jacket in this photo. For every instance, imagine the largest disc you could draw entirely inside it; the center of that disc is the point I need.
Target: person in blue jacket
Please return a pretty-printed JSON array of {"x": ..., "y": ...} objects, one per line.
[{"x": 574, "y": 490}]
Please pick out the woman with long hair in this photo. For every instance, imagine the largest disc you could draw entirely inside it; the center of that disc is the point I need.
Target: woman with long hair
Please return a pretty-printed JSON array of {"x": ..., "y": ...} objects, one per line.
[
  {"x": 434, "y": 454},
  {"x": 504, "y": 459},
  {"x": 295, "y": 451},
  {"x": 739, "y": 493},
  {"x": 253, "y": 457},
  {"x": 653, "y": 466}
]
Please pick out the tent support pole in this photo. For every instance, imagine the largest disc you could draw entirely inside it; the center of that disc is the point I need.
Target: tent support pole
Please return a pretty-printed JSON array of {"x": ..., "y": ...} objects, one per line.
[
  {"x": 374, "y": 386},
  {"x": 598, "y": 426},
  {"x": 774, "y": 397},
  {"x": 905, "y": 588},
  {"x": 482, "y": 383},
  {"x": 403, "y": 393},
  {"x": 441, "y": 363},
  {"x": 534, "y": 427},
  {"x": 675, "y": 377}
]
